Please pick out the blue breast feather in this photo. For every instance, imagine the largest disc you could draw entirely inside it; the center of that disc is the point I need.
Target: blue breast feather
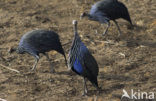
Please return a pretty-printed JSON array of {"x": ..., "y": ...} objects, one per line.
[{"x": 77, "y": 65}]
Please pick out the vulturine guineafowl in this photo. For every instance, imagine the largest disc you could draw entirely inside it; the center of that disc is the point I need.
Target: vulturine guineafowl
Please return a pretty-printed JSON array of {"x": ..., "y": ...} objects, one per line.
[
  {"x": 82, "y": 62},
  {"x": 40, "y": 41},
  {"x": 105, "y": 10}
]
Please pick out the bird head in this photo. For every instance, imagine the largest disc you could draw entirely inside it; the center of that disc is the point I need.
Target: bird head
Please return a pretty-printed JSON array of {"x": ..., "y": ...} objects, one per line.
[
  {"x": 19, "y": 50},
  {"x": 84, "y": 14},
  {"x": 74, "y": 22},
  {"x": 82, "y": 11},
  {"x": 11, "y": 50}
]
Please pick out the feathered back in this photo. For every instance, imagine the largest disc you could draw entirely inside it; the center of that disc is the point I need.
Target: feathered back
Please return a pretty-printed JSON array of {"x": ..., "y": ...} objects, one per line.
[
  {"x": 110, "y": 9},
  {"x": 41, "y": 41}
]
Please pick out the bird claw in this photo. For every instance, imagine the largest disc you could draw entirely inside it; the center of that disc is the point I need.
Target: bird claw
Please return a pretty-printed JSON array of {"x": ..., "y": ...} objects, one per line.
[
  {"x": 84, "y": 94},
  {"x": 103, "y": 34},
  {"x": 32, "y": 70},
  {"x": 119, "y": 34}
]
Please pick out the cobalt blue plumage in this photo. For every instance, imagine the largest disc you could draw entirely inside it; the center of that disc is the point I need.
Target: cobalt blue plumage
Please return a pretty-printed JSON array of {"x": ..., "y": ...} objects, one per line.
[
  {"x": 77, "y": 66},
  {"x": 40, "y": 41},
  {"x": 81, "y": 61},
  {"x": 77, "y": 63},
  {"x": 105, "y": 10}
]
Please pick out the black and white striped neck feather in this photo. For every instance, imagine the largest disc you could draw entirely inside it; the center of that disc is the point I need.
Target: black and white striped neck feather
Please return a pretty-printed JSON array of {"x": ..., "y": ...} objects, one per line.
[{"x": 74, "y": 52}]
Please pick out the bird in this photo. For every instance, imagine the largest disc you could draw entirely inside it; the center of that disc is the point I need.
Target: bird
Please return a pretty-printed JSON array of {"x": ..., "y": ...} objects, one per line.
[
  {"x": 105, "y": 10},
  {"x": 40, "y": 41},
  {"x": 81, "y": 61}
]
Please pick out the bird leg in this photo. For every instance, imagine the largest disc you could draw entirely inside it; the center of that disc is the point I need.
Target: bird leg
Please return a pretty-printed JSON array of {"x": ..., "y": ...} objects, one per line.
[
  {"x": 108, "y": 25},
  {"x": 98, "y": 90},
  {"x": 84, "y": 86},
  {"x": 36, "y": 61},
  {"x": 51, "y": 67},
  {"x": 116, "y": 23}
]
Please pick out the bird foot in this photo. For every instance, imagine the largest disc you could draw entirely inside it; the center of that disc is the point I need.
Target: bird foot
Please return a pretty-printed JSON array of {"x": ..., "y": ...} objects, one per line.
[
  {"x": 32, "y": 70},
  {"x": 84, "y": 94},
  {"x": 119, "y": 35},
  {"x": 99, "y": 90},
  {"x": 103, "y": 34}
]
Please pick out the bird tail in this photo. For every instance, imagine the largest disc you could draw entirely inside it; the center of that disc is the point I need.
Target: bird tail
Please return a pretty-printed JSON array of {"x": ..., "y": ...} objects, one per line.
[
  {"x": 125, "y": 13},
  {"x": 130, "y": 21},
  {"x": 127, "y": 17},
  {"x": 63, "y": 53},
  {"x": 94, "y": 82}
]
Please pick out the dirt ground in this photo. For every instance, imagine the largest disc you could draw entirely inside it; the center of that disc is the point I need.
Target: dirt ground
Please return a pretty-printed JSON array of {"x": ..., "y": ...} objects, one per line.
[{"x": 129, "y": 63}]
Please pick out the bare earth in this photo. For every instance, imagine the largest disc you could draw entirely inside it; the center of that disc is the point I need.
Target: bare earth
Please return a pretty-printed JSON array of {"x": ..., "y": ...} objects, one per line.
[{"x": 126, "y": 64}]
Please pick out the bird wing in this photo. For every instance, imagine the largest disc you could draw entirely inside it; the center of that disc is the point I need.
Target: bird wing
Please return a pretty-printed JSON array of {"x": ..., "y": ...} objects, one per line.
[
  {"x": 89, "y": 65},
  {"x": 88, "y": 62},
  {"x": 93, "y": 9},
  {"x": 80, "y": 52},
  {"x": 112, "y": 9},
  {"x": 101, "y": 9},
  {"x": 43, "y": 39},
  {"x": 107, "y": 7}
]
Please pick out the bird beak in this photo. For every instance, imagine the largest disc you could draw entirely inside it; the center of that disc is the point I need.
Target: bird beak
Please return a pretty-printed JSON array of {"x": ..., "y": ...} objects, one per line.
[{"x": 11, "y": 50}]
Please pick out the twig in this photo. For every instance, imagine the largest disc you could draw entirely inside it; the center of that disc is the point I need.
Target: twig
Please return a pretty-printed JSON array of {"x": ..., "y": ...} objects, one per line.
[
  {"x": 10, "y": 68},
  {"x": 67, "y": 43}
]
